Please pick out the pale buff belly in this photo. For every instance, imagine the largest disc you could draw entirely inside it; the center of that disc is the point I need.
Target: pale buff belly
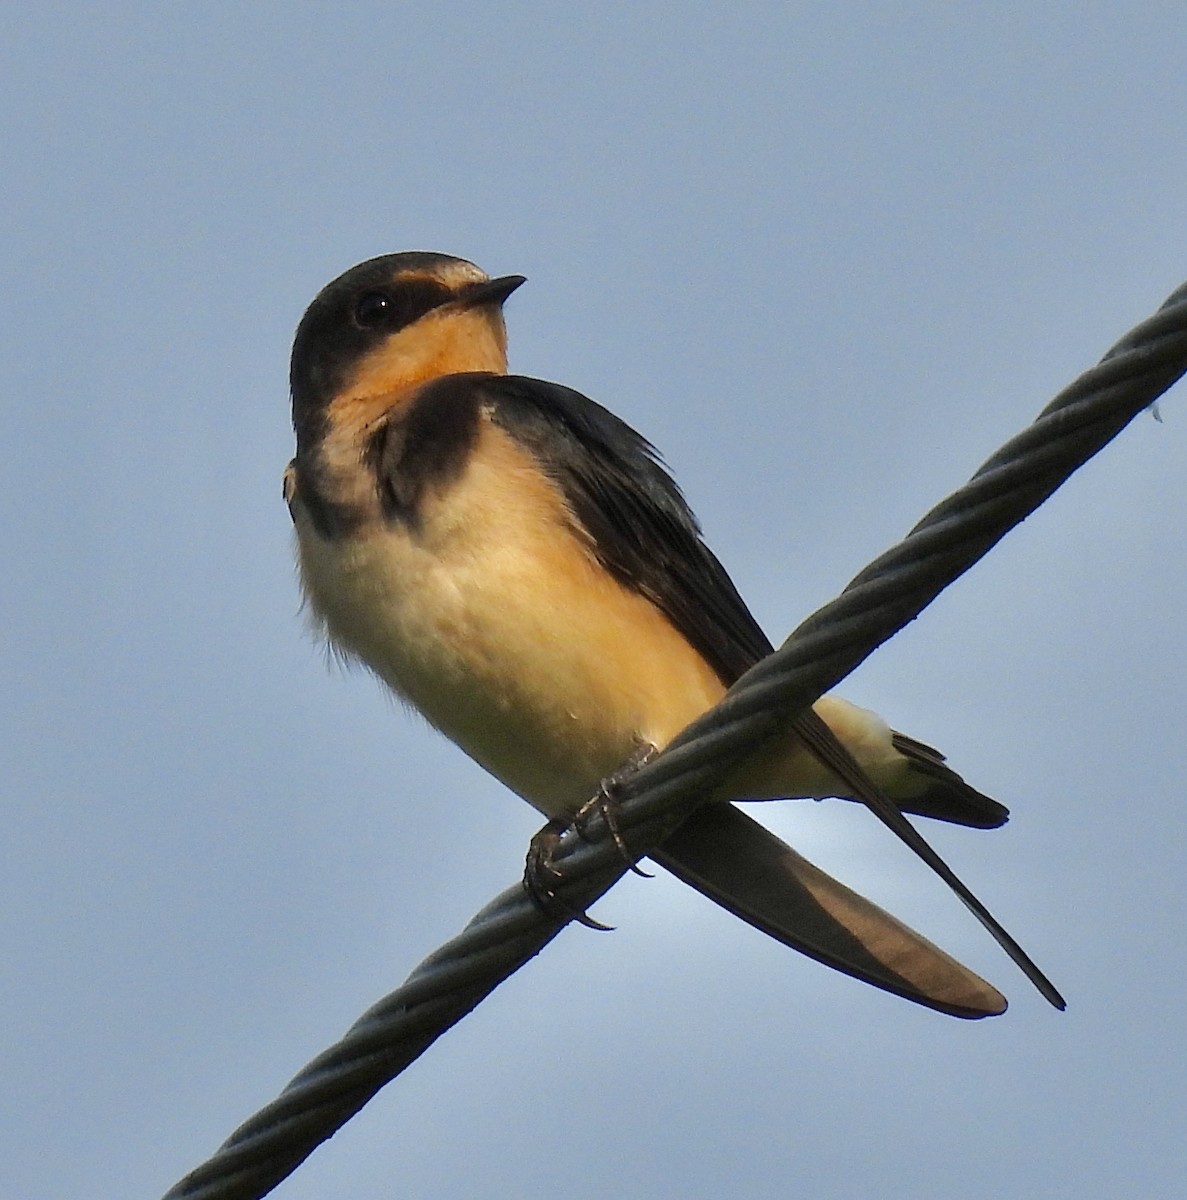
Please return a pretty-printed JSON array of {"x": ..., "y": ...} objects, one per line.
[{"x": 528, "y": 656}]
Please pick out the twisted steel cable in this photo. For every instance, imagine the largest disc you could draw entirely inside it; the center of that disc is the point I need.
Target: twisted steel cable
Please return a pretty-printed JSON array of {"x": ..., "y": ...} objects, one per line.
[{"x": 888, "y": 594}]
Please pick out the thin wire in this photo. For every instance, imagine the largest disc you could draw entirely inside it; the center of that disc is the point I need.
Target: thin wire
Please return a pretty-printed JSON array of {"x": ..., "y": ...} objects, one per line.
[{"x": 888, "y": 594}]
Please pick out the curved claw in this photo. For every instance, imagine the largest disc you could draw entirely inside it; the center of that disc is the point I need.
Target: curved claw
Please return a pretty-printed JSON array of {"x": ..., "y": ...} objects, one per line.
[{"x": 539, "y": 874}]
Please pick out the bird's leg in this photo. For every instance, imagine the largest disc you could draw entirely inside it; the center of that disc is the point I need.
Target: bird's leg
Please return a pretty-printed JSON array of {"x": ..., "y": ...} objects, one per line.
[{"x": 606, "y": 802}]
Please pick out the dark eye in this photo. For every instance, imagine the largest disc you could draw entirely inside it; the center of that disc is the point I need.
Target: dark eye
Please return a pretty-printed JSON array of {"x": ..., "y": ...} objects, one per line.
[{"x": 372, "y": 308}]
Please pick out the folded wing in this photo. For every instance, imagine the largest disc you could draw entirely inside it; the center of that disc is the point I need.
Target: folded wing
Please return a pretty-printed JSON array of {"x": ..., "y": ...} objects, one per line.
[{"x": 739, "y": 864}]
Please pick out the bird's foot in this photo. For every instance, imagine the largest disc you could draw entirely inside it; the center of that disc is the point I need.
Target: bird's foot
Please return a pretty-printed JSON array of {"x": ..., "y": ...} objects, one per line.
[
  {"x": 541, "y": 876},
  {"x": 605, "y": 801}
]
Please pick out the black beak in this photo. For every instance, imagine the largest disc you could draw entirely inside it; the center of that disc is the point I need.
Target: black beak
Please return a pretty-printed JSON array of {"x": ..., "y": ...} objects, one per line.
[{"x": 493, "y": 291}]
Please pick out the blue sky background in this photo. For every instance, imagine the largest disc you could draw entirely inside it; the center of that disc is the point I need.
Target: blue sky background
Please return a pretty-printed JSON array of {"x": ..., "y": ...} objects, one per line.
[{"x": 828, "y": 257}]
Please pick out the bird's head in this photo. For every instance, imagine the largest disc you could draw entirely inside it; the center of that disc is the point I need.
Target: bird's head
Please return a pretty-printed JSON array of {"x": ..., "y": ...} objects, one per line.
[{"x": 393, "y": 322}]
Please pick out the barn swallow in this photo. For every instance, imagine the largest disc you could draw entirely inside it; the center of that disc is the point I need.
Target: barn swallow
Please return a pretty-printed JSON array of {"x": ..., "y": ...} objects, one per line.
[{"x": 514, "y": 561}]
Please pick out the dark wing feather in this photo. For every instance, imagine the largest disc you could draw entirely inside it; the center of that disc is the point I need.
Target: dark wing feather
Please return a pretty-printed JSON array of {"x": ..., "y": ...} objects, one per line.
[{"x": 643, "y": 531}]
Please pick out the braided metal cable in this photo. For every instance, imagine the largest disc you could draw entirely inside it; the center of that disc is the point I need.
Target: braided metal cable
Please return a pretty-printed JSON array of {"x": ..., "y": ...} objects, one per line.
[{"x": 883, "y": 598}]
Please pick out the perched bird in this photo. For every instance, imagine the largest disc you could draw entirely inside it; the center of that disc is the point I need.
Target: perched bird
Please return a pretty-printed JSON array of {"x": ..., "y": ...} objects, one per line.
[{"x": 513, "y": 560}]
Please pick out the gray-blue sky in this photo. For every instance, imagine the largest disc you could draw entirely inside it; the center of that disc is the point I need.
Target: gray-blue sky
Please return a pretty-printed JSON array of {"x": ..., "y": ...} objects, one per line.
[{"x": 827, "y": 258}]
